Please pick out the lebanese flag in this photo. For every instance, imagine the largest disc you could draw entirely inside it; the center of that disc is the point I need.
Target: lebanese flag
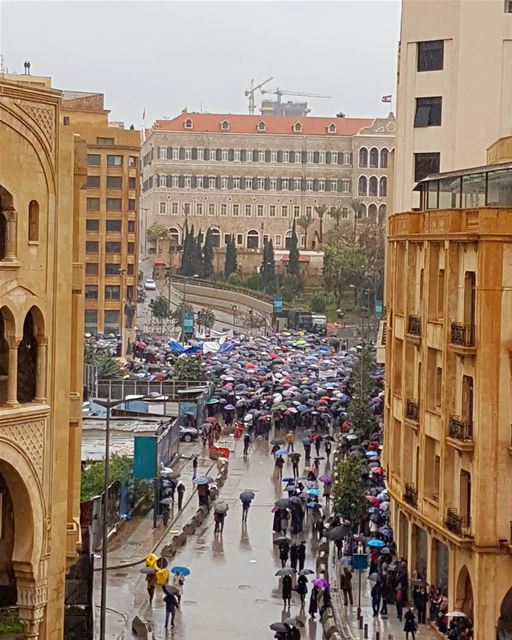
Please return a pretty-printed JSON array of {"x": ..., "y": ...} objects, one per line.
[{"x": 386, "y": 98}]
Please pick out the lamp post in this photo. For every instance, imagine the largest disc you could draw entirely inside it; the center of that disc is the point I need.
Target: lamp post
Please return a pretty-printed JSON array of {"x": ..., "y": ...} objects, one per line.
[{"x": 108, "y": 404}]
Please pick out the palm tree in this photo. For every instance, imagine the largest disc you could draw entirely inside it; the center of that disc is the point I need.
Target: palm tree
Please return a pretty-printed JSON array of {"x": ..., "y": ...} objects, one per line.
[
  {"x": 304, "y": 222},
  {"x": 336, "y": 213},
  {"x": 321, "y": 210}
]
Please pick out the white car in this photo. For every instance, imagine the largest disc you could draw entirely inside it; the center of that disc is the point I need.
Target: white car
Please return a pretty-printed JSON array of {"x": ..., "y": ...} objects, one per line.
[{"x": 149, "y": 284}]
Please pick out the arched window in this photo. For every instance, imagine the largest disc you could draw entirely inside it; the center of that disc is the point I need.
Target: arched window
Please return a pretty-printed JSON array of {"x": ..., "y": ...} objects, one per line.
[
  {"x": 174, "y": 236},
  {"x": 297, "y": 127},
  {"x": 374, "y": 186},
  {"x": 4, "y": 359},
  {"x": 361, "y": 211},
  {"x": 27, "y": 361},
  {"x": 383, "y": 187},
  {"x": 362, "y": 186},
  {"x": 384, "y": 158},
  {"x": 363, "y": 157},
  {"x": 188, "y": 124},
  {"x": 253, "y": 239},
  {"x": 7, "y": 229},
  {"x": 33, "y": 221},
  {"x": 374, "y": 158},
  {"x": 261, "y": 126},
  {"x": 288, "y": 239},
  {"x": 372, "y": 212},
  {"x": 224, "y": 125},
  {"x": 382, "y": 213},
  {"x": 215, "y": 238}
]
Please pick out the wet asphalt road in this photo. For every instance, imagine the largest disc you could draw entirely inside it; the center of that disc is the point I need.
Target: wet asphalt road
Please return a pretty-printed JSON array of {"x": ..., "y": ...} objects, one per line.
[{"x": 232, "y": 591}]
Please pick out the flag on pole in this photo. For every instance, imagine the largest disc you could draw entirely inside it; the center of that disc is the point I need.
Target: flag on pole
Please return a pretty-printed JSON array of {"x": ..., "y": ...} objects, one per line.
[
  {"x": 144, "y": 114},
  {"x": 386, "y": 98}
]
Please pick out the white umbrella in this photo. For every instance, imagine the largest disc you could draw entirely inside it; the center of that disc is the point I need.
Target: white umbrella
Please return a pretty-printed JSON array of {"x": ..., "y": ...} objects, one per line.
[{"x": 455, "y": 614}]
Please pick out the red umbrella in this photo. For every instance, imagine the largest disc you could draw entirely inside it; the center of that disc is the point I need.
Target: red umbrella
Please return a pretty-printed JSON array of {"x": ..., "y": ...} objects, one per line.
[
  {"x": 373, "y": 500},
  {"x": 378, "y": 470}
]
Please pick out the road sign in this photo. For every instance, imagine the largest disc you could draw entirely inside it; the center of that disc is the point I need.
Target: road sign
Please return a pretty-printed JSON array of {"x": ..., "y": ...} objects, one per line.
[
  {"x": 360, "y": 561},
  {"x": 188, "y": 322},
  {"x": 278, "y": 304}
]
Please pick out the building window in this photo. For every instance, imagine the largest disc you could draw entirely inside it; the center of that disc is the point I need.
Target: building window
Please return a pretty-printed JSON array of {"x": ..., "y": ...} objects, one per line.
[
  {"x": 236, "y": 156},
  {"x": 297, "y": 185},
  {"x": 93, "y": 204},
  {"x": 211, "y": 182},
  {"x": 362, "y": 186},
  {"x": 334, "y": 185},
  {"x": 174, "y": 208},
  {"x": 309, "y": 185},
  {"x": 112, "y": 269},
  {"x": 261, "y": 156},
  {"x": 199, "y": 182},
  {"x": 162, "y": 154},
  {"x": 131, "y": 204},
  {"x": 93, "y": 182},
  {"x": 131, "y": 226},
  {"x": 92, "y": 225},
  {"x": 428, "y": 112},
  {"x": 112, "y": 292},
  {"x": 199, "y": 209},
  {"x": 236, "y": 183},
  {"x": 223, "y": 209},
  {"x": 132, "y": 161},
  {"x": 344, "y": 213},
  {"x": 248, "y": 210},
  {"x": 261, "y": 183},
  {"x": 111, "y": 322},
  {"x": 188, "y": 153},
  {"x": 112, "y": 247},
  {"x": 162, "y": 181},
  {"x": 176, "y": 181},
  {"x": 116, "y": 182},
  {"x": 211, "y": 209},
  {"x": 284, "y": 211},
  {"x": 114, "y": 204},
  {"x": 236, "y": 209},
  {"x": 309, "y": 212},
  {"x": 372, "y": 212},
  {"x": 91, "y": 269},
  {"x": 115, "y": 161},
  {"x": 91, "y": 291},
  {"x": 175, "y": 153},
  {"x": 374, "y": 158},
  {"x": 225, "y": 154},
  {"x": 430, "y": 55},
  {"x": 383, "y": 187},
  {"x": 321, "y": 157},
  {"x": 239, "y": 239},
  {"x": 363, "y": 157},
  {"x": 260, "y": 211},
  {"x": 373, "y": 186},
  {"x": 426, "y": 164},
  {"x": 33, "y": 221},
  {"x": 92, "y": 246},
  {"x": 261, "y": 126},
  {"x": 272, "y": 211},
  {"x": 286, "y": 156},
  {"x": 188, "y": 182},
  {"x": 131, "y": 247},
  {"x": 224, "y": 183},
  {"x": 273, "y": 156},
  {"x": 297, "y": 127},
  {"x": 278, "y": 240},
  {"x": 273, "y": 184},
  {"x": 296, "y": 211},
  {"x": 384, "y": 158},
  {"x": 224, "y": 125},
  {"x": 253, "y": 239},
  {"x": 321, "y": 185},
  {"x": 285, "y": 184},
  {"x": 188, "y": 124},
  {"x": 93, "y": 159},
  {"x": 114, "y": 226},
  {"x": 67, "y": 120},
  {"x": 91, "y": 320},
  {"x": 105, "y": 141}
]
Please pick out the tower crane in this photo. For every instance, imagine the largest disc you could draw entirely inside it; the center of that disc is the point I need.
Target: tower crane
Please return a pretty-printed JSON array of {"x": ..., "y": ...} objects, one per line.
[
  {"x": 286, "y": 92},
  {"x": 250, "y": 93}
]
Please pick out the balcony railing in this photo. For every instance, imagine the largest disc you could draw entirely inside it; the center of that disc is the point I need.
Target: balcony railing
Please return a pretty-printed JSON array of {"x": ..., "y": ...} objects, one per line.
[
  {"x": 463, "y": 335},
  {"x": 460, "y": 429},
  {"x": 410, "y": 494},
  {"x": 414, "y": 325},
  {"x": 458, "y": 525},
  {"x": 412, "y": 410}
]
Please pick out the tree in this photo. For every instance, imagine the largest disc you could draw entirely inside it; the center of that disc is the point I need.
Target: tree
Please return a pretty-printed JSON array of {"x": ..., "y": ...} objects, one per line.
[
  {"x": 208, "y": 255},
  {"x": 336, "y": 213},
  {"x": 348, "y": 496},
  {"x": 197, "y": 255},
  {"x": 205, "y": 318},
  {"x": 189, "y": 368},
  {"x": 290, "y": 287},
  {"x": 318, "y": 303},
  {"x": 230, "y": 263},
  {"x": 188, "y": 250},
  {"x": 344, "y": 263},
  {"x": 107, "y": 367},
  {"x": 360, "y": 413},
  {"x": 157, "y": 231},
  {"x": 160, "y": 308},
  {"x": 305, "y": 222},
  {"x": 268, "y": 268},
  {"x": 293, "y": 260},
  {"x": 321, "y": 210},
  {"x": 253, "y": 281}
]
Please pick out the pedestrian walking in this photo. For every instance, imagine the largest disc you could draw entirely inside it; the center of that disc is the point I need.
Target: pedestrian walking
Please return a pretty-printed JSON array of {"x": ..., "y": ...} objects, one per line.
[
  {"x": 219, "y": 522},
  {"x": 150, "y": 586},
  {"x": 399, "y": 601},
  {"x": 327, "y": 492},
  {"x": 279, "y": 467},
  {"x": 204, "y": 437},
  {"x": 313, "y": 602},
  {"x": 285, "y": 517},
  {"x": 376, "y": 594},
  {"x": 180, "y": 489},
  {"x": 287, "y": 591},
  {"x": 171, "y": 604},
  {"x": 410, "y": 624},
  {"x": 178, "y": 582},
  {"x": 346, "y": 586},
  {"x": 302, "y": 554},
  {"x": 295, "y": 457},
  {"x": 194, "y": 467},
  {"x": 245, "y": 510},
  {"x": 307, "y": 450},
  {"x": 294, "y": 556},
  {"x": 284, "y": 550},
  {"x": 289, "y": 441},
  {"x": 318, "y": 442},
  {"x": 327, "y": 447},
  {"x": 247, "y": 442},
  {"x": 302, "y": 589}
]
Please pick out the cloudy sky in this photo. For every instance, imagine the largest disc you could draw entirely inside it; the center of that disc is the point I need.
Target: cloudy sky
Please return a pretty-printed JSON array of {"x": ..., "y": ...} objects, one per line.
[{"x": 164, "y": 56}]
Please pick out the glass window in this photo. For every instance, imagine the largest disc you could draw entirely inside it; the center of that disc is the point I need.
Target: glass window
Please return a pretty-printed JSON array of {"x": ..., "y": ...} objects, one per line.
[
  {"x": 211, "y": 209},
  {"x": 286, "y": 156},
  {"x": 363, "y": 157},
  {"x": 253, "y": 239},
  {"x": 113, "y": 247},
  {"x": 432, "y": 198},
  {"x": 199, "y": 182},
  {"x": 272, "y": 211},
  {"x": 163, "y": 208},
  {"x": 93, "y": 159},
  {"x": 188, "y": 182},
  {"x": 114, "y": 225},
  {"x": 91, "y": 320},
  {"x": 199, "y": 209},
  {"x": 224, "y": 154},
  {"x": 91, "y": 268},
  {"x": 248, "y": 183},
  {"x": 112, "y": 269},
  {"x": 176, "y": 181},
  {"x": 132, "y": 161},
  {"x": 224, "y": 182},
  {"x": 236, "y": 155},
  {"x": 93, "y": 204},
  {"x": 112, "y": 292},
  {"x": 223, "y": 209},
  {"x": 261, "y": 156},
  {"x": 428, "y": 112},
  {"x": 239, "y": 239},
  {"x": 131, "y": 204},
  {"x": 296, "y": 211},
  {"x": 93, "y": 182},
  {"x": 114, "y": 204},
  {"x": 373, "y": 186},
  {"x": 116, "y": 182},
  {"x": 248, "y": 210},
  {"x": 334, "y": 157},
  {"x": 321, "y": 157},
  {"x": 132, "y": 183},
  {"x": 309, "y": 157},
  {"x": 162, "y": 181},
  {"x": 449, "y": 193},
  {"x": 115, "y": 161},
  {"x": 211, "y": 182},
  {"x": 284, "y": 211},
  {"x": 91, "y": 291},
  {"x": 426, "y": 164},
  {"x": 105, "y": 141},
  {"x": 297, "y": 185},
  {"x": 236, "y": 209},
  {"x": 131, "y": 247},
  {"x": 284, "y": 184},
  {"x": 334, "y": 185},
  {"x": 273, "y": 184},
  {"x": 260, "y": 211},
  {"x": 430, "y": 55},
  {"x": 92, "y": 247},
  {"x": 92, "y": 225},
  {"x": 309, "y": 185},
  {"x": 188, "y": 153},
  {"x": 261, "y": 183},
  {"x": 174, "y": 208},
  {"x": 111, "y": 322},
  {"x": 236, "y": 183},
  {"x": 278, "y": 240},
  {"x": 362, "y": 188},
  {"x": 384, "y": 158},
  {"x": 499, "y": 189},
  {"x": 374, "y": 158}
]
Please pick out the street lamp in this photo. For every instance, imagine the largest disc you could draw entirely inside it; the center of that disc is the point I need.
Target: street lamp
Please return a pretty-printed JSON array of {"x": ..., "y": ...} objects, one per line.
[{"x": 108, "y": 404}]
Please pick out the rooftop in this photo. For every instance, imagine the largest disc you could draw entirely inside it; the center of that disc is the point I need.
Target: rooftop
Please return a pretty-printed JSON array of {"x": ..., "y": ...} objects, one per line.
[{"x": 273, "y": 125}]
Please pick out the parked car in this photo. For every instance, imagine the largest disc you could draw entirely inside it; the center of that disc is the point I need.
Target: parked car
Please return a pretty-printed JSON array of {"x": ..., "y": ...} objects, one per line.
[
  {"x": 188, "y": 434},
  {"x": 149, "y": 284}
]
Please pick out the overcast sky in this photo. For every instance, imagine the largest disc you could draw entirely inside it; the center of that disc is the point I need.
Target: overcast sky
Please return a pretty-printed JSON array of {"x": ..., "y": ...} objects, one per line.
[{"x": 165, "y": 56}]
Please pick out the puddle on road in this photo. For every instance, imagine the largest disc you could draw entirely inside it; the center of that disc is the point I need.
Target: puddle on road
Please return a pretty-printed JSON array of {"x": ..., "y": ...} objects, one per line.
[
  {"x": 121, "y": 575},
  {"x": 243, "y": 587},
  {"x": 261, "y": 601}
]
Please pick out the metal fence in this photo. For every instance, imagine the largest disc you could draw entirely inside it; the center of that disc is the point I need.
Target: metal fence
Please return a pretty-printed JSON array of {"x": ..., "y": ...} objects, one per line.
[{"x": 118, "y": 389}]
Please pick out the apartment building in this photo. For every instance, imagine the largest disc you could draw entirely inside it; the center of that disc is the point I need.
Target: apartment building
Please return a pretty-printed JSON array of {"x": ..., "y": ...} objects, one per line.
[
  {"x": 251, "y": 176},
  {"x": 112, "y": 213},
  {"x": 454, "y": 95}
]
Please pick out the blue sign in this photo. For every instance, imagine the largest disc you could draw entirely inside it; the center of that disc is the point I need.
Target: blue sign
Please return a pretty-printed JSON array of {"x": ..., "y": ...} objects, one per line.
[
  {"x": 145, "y": 457},
  {"x": 278, "y": 304},
  {"x": 360, "y": 561},
  {"x": 378, "y": 309},
  {"x": 188, "y": 322}
]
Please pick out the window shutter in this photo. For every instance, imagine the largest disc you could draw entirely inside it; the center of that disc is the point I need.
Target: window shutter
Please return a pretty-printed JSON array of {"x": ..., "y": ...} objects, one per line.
[
  {"x": 217, "y": 178},
  {"x": 267, "y": 155},
  {"x": 193, "y": 182},
  {"x": 182, "y": 153},
  {"x": 230, "y": 179},
  {"x": 315, "y": 185},
  {"x": 279, "y": 182},
  {"x": 218, "y": 155},
  {"x": 316, "y": 157},
  {"x": 327, "y": 185},
  {"x": 181, "y": 182},
  {"x": 194, "y": 153},
  {"x": 169, "y": 153},
  {"x": 168, "y": 181},
  {"x": 243, "y": 155},
  {"x": 328, "y": 157},
  {"x": 267, "y": 183},
  {"x": 279, "y": 156}
]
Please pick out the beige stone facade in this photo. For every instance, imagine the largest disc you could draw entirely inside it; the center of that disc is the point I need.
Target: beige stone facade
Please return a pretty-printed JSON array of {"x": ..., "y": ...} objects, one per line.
[
  {"x": 112, "y": 205},
  {"x": 448, "y": 414},
  {"x": 42, "y": 194},
  {"x": 251, "y": 176}
]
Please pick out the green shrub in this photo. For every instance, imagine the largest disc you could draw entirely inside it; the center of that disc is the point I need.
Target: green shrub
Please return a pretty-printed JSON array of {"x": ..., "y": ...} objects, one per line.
[
  {"x": 254, "y": 281},
  {"x": 234, "y": 280},
  {"x": 318, "y": 303}
]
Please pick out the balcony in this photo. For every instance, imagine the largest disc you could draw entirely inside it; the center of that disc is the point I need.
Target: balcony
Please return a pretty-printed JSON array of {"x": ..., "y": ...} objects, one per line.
[
  {"x": 458, "y": 525},
  {"x": 462, "y": 338},
  {"x": 460, "y": 433},
  {"x": 414, "y": 326},
  {"x": 412, "y": 410},
  {"x": 410, "y": 494}
]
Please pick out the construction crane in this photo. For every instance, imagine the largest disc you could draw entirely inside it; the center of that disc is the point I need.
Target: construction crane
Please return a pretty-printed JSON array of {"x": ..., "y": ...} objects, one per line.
[
  {"x": 285, "y": 92},
  {"x": 250, "y": 93}
]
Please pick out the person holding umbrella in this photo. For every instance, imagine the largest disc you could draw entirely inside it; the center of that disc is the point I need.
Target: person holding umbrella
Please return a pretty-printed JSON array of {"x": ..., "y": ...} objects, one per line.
[
  {"x": 279, "y": 465},
  {"x": 289, "y": 440},
  {"x": 302, "y": 589},
  {"x": 295, "y": 458},
  {"x": 194, "y": 467},
  {"x": 327, "y": 447},
  {"x": 294, "y": 556},
  {"x": 180, "y": 489},
  {"x": 171, "y": 604},
  {"x": 302, "y": 554},
  {"x": 247, "y": 442},
  {"x": 313, "y": 602},
  {"x": 246, "y": 497},
  {"x": 287, "y": 591},
  {"x": 219, "y": 515},
  {"x": 307, "y": 448},
  {"x": 284, "y": 550}
]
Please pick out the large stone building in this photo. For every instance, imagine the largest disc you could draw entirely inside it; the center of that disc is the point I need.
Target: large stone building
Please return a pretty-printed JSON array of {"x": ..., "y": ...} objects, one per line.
[
  {"x": 251, "y": 176},
  {"x": 113, "y": 183},
  {"x": 42, "y": 193},
  {"x": 448, "y": 412},
  {"x": 454, "y": 95}
]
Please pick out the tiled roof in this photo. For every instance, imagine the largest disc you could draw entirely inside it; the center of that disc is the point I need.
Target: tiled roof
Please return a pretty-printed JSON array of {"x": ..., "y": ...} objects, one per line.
[{"x": 273, "y": 125}]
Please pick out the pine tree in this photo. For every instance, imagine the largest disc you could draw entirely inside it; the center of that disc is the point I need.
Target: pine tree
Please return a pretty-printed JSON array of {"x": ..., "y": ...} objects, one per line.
[
  {"x": 186, "y": 256},
  {"x": 349, "y": 501},
  {"x": 268, "y": 268},
  {"x": 230, "y": 263},
  {"x": 197, "y": 255},
  {"x": 293, "y": 261},
  {"x": 208, "y": 255}
]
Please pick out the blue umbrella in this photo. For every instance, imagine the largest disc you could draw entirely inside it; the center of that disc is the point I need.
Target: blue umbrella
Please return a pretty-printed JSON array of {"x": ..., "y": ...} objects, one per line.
[
  {"x": 313, "y": 492},
  {"x": 306, "y": 441},
  {"x": 372, "y": 454},
  {"x": 377, "y": 544},
  {"x": 247, "y": 496},
  {"x": 313, "y": 505},
  {"x": 182, "y": 570},
  {"x": 202, "y": 480},
  {"x": 281, "y": 452},
  {"x": 302, "y": 408}
]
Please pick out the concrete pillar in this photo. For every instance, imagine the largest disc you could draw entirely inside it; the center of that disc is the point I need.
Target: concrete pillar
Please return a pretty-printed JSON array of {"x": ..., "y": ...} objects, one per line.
[
  {"x": 42, "y": 349},
  {"x": 10, "y": 244},
  {"x": 12, "y": 383}
]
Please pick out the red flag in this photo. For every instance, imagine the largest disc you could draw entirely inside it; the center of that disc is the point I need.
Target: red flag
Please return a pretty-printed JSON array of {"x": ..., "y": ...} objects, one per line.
[{"x": 386, "y": 98}]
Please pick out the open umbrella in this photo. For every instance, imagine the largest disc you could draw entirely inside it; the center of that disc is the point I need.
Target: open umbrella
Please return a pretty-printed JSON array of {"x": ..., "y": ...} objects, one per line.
[
  {"x": 337, "y": 533},
  {"x": 277, "y": 441},
  {"x": 282, "y": 540},
  {"x": 221, "y": 507},
  {"x": 247, "y": 496},
  {"x": 313, "y": 505},
  {"x": 325, "y": 478},
  {"x": 166, "y": 501},
  {"x": 306, "y": 572},
  {"x": 313, "y": 492},
  {"x": 229, "y": 407},
  {"x": 285, "y": 572},
  {"x": 184, "y": 571},
  {"x": 281, "y": 452},
  {"x": 294, "y": 622},
  {"x": 376, "y": 543},
  {"x": 320, "y": 583},
  {"x": 283, "y": 503},
  {"x": 280, "y": 627},
  {"x": 148, "y": 570},
  {"x": 455, "y": 614},
  {"x": 202, "y": 480}
]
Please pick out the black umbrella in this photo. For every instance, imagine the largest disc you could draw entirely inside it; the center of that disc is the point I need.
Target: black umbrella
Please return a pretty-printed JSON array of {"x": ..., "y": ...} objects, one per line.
[
  {"x": 283, "y": 503},
  {"x": 247, "y": 496},
  {"x": 282, "y": 540},
  {"x": 280, "y": 627},
  {"x": 306, "y": 572},
  {"x": 338, "y": 533},
  {"x": 294, "y": 622},
  {"x": 285, "y": 572}
]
